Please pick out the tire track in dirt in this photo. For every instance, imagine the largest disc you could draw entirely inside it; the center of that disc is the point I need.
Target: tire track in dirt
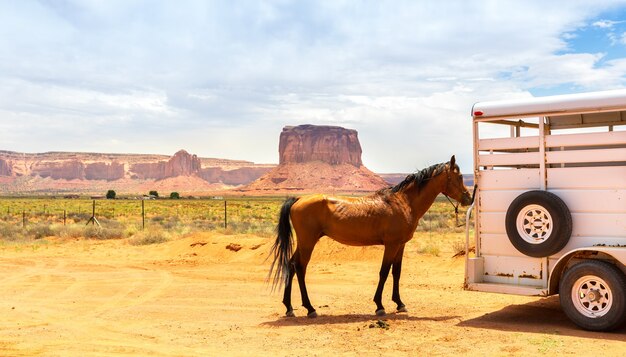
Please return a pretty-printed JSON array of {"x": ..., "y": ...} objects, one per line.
[
  {"x": 39, "y": 280},
  {"x": 45, "y": 280},
  {"x": 141, "y": 288},
  {"x": 49, "y": 294}
]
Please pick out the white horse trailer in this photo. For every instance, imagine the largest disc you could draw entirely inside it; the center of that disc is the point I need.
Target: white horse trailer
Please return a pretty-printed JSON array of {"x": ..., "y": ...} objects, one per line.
[{"x": 550, "y": 207}]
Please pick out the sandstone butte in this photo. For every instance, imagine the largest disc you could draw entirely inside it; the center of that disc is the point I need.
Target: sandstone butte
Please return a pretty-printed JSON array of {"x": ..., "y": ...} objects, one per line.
[{"x": 318, "y": 159}]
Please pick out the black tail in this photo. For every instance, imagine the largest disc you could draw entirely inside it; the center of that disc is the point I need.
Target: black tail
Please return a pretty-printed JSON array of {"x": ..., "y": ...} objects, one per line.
[{"x": 282, "y": 248}]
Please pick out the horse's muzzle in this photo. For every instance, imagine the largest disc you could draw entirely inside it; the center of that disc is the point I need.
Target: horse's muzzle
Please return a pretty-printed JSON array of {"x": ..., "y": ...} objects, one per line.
[{"x": 466, "y": 199}]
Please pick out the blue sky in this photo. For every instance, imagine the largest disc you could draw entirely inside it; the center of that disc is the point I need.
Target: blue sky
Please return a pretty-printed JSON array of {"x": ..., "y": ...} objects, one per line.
[{"x": 221, "y": 78}]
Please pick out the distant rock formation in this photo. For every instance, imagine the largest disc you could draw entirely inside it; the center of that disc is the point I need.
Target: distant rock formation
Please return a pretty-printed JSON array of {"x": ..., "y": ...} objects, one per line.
[
  {"x": 130, "y": 173},
  {"x": 318, "y": 159},
  {"x": 330, "y": 144},
  {"x": 181, "y": 164},
  {"x": 68, "y": 170},
  {"x": 5, "y": 168},
  {"x": 104, "y": 171},
  {"x": 235, "y": 177},
  {"x": 76, "y": 170}
]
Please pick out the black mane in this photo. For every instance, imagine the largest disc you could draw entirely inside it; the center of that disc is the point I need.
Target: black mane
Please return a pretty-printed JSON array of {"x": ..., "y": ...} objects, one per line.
[{"x": 419, "y": 177}]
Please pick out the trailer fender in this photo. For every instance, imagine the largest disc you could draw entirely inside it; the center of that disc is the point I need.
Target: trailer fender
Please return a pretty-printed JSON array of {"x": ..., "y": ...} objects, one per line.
[{"x": 615, "y": 254}]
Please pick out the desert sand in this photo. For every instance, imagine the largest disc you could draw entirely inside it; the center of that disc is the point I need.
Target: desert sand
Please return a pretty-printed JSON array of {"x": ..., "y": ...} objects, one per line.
[{"x": 194, "y": 297}]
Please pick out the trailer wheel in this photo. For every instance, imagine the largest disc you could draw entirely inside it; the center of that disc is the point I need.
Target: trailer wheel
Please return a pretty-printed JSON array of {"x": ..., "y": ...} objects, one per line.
[
  {"x": 593, "y": 295},
  {"x": 538, "y": 223}
]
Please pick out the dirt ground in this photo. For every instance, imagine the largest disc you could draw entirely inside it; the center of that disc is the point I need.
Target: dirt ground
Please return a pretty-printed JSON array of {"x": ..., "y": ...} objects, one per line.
[{"x": 194, "y": 297}]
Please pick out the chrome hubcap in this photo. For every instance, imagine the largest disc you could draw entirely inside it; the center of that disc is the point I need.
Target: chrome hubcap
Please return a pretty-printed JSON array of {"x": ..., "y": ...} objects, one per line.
[
  {"x": 534, "y": 224},
  {"x": 592, "y": 296}
]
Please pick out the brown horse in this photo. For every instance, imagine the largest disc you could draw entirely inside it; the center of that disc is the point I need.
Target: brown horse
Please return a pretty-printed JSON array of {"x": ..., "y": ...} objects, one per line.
[{"x": 388, "y": 217}]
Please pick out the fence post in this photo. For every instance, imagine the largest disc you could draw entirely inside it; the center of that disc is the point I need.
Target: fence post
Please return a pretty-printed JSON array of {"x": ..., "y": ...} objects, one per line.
[
  {"x": 23, "y": 219},
  {"x": 93, "y": 218},
  {"x": 225, "y": 216},
  {"x": 143, "y": 215},
  {"x": 64, "y": 216}
]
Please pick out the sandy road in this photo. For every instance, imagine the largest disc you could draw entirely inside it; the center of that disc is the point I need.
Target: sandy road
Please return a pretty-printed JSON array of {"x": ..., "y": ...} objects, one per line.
[{"x": 76, "y": 298}]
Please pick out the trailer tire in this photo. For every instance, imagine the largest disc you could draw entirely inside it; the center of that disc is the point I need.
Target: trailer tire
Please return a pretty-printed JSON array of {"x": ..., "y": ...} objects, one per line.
[
  {"x": 593, "y": 295},
  {"x": 538, "y": 223}
]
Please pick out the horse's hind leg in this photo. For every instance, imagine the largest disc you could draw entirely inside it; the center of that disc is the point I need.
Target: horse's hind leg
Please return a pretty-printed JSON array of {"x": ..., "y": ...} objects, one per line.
[
  {"x": 301, "y": 261},
  {"x": 287, "y": 295}
]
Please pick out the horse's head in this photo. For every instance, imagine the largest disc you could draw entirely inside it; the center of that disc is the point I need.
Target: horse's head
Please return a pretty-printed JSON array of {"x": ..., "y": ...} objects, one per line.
[{"x": 455, "y": 188}]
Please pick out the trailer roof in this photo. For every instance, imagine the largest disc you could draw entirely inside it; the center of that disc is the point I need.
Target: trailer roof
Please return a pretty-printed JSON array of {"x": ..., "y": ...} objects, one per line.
[{"x": 552, "y": 106}]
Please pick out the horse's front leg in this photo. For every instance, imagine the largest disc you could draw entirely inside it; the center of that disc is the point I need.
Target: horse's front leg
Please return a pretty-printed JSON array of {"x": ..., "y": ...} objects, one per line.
[
  {"x": 388, "y": 257},
  {"x": 395, "y": 272}
]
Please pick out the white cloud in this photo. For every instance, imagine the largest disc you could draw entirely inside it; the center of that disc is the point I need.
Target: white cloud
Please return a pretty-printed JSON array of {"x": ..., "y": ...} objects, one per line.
[
  {"x": 580, "y": 70},
  {"x": 605, "y": 23},
  {"x": 569, "y": 36}
]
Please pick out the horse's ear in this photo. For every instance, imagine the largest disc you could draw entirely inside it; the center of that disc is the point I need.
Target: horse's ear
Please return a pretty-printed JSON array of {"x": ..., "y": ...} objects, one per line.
[{"x": 452, "y": 162}]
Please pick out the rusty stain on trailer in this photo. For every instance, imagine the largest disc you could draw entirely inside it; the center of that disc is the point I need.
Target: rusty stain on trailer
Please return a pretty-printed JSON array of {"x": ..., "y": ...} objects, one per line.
[{"x": 528, "y": 276}]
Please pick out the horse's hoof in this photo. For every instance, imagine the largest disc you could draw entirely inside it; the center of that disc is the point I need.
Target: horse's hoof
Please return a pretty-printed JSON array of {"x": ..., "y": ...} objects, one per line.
[
  {"x": 381, "y": 312},
  {"x": 312, "y": 315},
  {"x": 402, "y": 309},
  {"x": 290, "y": 314}
]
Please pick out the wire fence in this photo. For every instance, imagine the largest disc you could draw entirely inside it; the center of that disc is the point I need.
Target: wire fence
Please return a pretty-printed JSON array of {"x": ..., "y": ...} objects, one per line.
[{"x": 238, "y": 215}]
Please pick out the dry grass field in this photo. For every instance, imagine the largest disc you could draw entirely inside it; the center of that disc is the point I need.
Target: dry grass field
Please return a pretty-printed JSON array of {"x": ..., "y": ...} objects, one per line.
[{"x": 182, "y": 292}]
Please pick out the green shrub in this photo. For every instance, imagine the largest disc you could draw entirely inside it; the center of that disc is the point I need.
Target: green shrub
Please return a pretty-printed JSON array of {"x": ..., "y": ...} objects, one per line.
[
  {"x": 131, "y": 229},
  {"x": 151, "y": 236},
  {"x": 458, "y": 247},
  {"x": 103, "y": 233},
  {"x": 429, "y": 248},
  {"x": 72, "y": 231},
  {"x": 10, "y": 232},
  {"x": 202, "y": 225},
  {"x": 157, "y": 219},
  {"x": 40, "y": 230},
  {"x": 171, "y": 222},
  {"x": 111, "y": 194}
]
